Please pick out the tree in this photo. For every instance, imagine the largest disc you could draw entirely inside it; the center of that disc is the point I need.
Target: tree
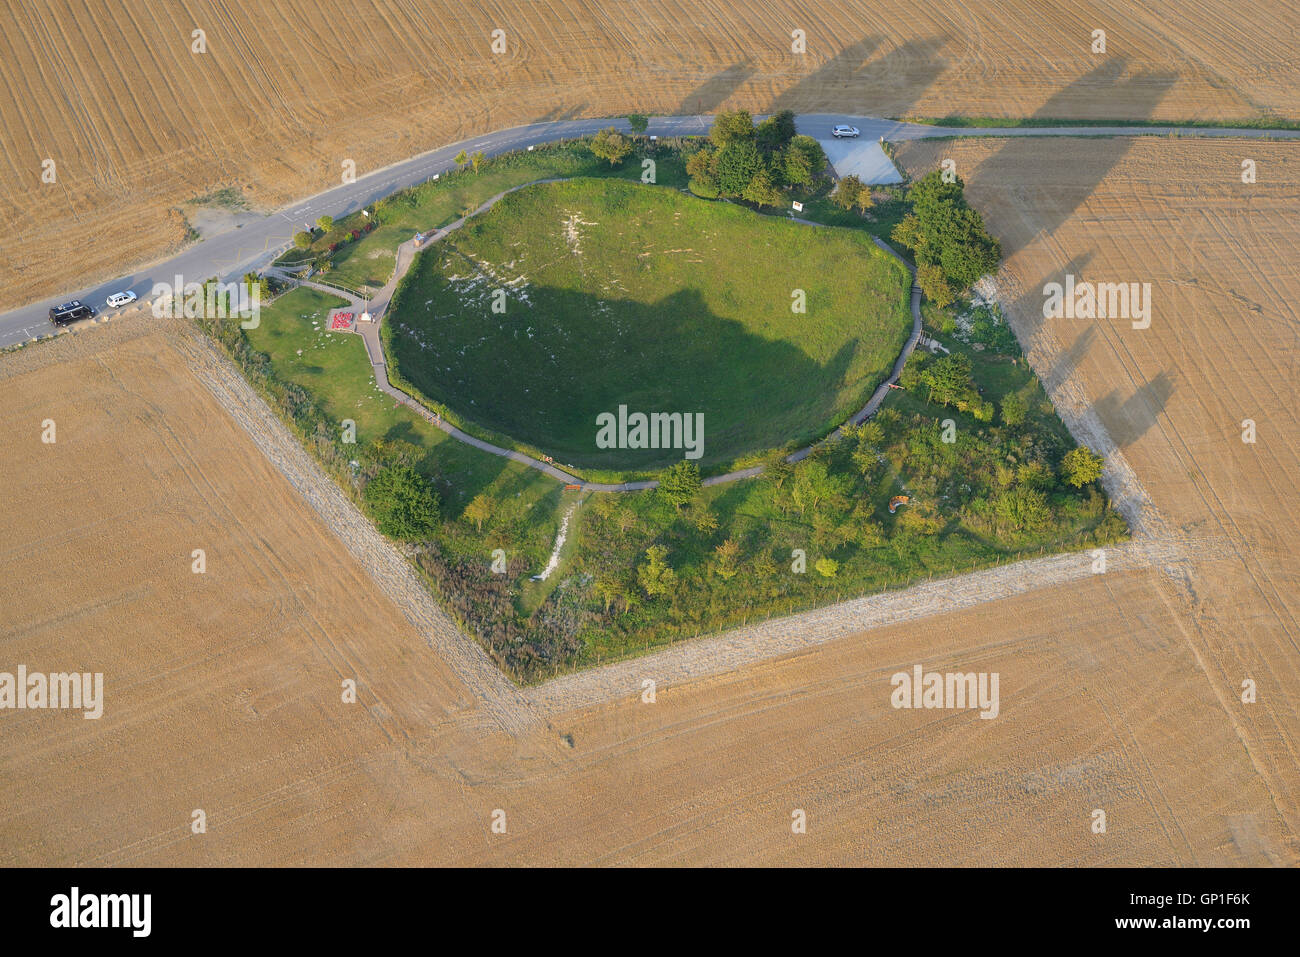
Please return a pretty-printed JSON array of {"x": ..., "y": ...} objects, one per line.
[
  {"x": 478, "y": 511},
  {"x": 262, "y": 284},
  {"x": 728, "y": 553},
  {"x": 814, "y": 487},
  {"x": 866, "y": 460},
  {"x": 1034, "y": 475},
  {"x": 848, "y": 193},
  {"x": 943, "y": 230},
  {"x": 656, "y": 577},
  {"x": 680, "y": 483},
  {"x": 325, "y": 223},
  {"x": 795, "y": 167},
  {"x": 402, "y": 502},
  {"x": 639, "y": 122},
  {"x": 933, "y": 283},
  {"x": 737, "y": 126},
  {"x": 871, "y": 432},
  {"x": 1014, "y": 409},
  {"x": 477, "y": 160},
  {"x": 700, "y": 163},
  {"x": 1023, "y": 508},
  {"x": 736, "y": 165},
  {"x": 948, "y": 378},
  {"x": 803, "y": 161},
  {"x": 775, "y": 132},
  {"x": 610, "y": 144},
  {"x": 700, "y": 167},
  {"x": 869, "y": 533},
  {"x": 1081, "y": 466},
  {"x": 609, "y": 589},
  {"x": 827, "y": 567},
  {"x": 461, "y": 158},
  {"x": 779, "y": 472},
  {"x": 706, "y": 521},
  {"x": 761, "y": 191},
  {"x": 302, "y": 239},
  {"x": 910, "y": 377}
]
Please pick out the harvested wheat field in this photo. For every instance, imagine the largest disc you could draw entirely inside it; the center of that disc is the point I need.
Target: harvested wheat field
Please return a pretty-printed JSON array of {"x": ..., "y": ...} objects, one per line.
[
  {"x": 139, "y": 126},
  {"x": 1174, "y": 398},
  {"x": 222, "y": 690}
]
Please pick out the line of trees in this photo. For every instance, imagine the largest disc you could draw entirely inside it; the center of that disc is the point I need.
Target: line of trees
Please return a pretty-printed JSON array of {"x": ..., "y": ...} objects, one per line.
[
  {"x": 755, "y": 163},
  {"x": 947, "y": 238}
]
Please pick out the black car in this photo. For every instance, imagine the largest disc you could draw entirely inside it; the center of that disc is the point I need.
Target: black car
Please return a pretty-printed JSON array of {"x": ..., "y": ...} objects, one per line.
[{"x": 70, "y": 312}]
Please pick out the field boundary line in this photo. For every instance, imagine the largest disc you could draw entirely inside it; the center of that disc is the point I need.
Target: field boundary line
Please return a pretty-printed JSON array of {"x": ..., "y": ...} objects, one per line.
[
  {"x": 692, "y": 659},
  {"x": 384, "y": 564}
]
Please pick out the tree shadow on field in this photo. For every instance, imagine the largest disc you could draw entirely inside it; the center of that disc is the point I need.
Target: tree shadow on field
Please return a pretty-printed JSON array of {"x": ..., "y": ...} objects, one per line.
[
  {"x": 852, "y": 82},
  {"x": 403, "y": 431},
  {"x": 1068, "y": 362},
  {"x": 708, "y": 97},
  {"x": 573, "y": 356},
  {"x": 559, "y": 113},
  {"x": 1025, "y": 313},
  {"x": 1127, "y": 420},
  {"x": 1079, "y": 165}
]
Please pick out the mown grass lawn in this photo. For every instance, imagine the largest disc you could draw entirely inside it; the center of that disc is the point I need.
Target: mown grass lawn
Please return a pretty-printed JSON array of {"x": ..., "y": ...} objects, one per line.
[
  {"x": 368, "y": 262},
  {"x": 646, "y": 297}
]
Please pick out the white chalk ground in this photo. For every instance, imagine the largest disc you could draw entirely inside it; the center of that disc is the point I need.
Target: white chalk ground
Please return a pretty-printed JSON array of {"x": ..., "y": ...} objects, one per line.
[{"x": 862, "y": 158}]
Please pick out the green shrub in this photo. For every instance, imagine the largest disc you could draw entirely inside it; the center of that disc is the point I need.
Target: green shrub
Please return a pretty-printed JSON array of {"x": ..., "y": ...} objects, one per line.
[
  {"x": 1081, "y": 466},
  {"x": 1014, "y": 409},
  {"x": 610, "y": 144},
  {"x": 402, "y": 502}
]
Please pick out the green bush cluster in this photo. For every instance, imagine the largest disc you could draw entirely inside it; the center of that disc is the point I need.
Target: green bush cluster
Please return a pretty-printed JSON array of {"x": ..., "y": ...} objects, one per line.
[
  {"x": 754, "y": 163},
  {"x": 947, "y": 238}
]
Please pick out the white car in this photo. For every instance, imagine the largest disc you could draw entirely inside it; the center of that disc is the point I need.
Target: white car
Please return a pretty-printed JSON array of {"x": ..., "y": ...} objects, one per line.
[
  {"x": 121, "y": 299},
  {"x": 842, "y": 131}
]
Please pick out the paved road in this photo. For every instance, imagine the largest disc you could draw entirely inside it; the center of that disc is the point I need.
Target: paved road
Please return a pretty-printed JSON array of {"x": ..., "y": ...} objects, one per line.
[{"x": 258, "y": 241}]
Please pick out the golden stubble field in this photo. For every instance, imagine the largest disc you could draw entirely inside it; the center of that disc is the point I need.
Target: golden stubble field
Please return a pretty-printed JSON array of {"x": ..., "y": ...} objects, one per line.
[
  {"x": 138, "y": 125},
  {"x": 1222, "y": 348},
  {"x": 1118, "y": 693},
  {"x": 222, "y": 689}
]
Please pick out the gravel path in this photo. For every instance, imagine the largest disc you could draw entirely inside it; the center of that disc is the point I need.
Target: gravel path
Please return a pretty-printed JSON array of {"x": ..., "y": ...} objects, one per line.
[
  {"x": 1154, "y": 545},
  {"x": 406, "y": 253}
]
